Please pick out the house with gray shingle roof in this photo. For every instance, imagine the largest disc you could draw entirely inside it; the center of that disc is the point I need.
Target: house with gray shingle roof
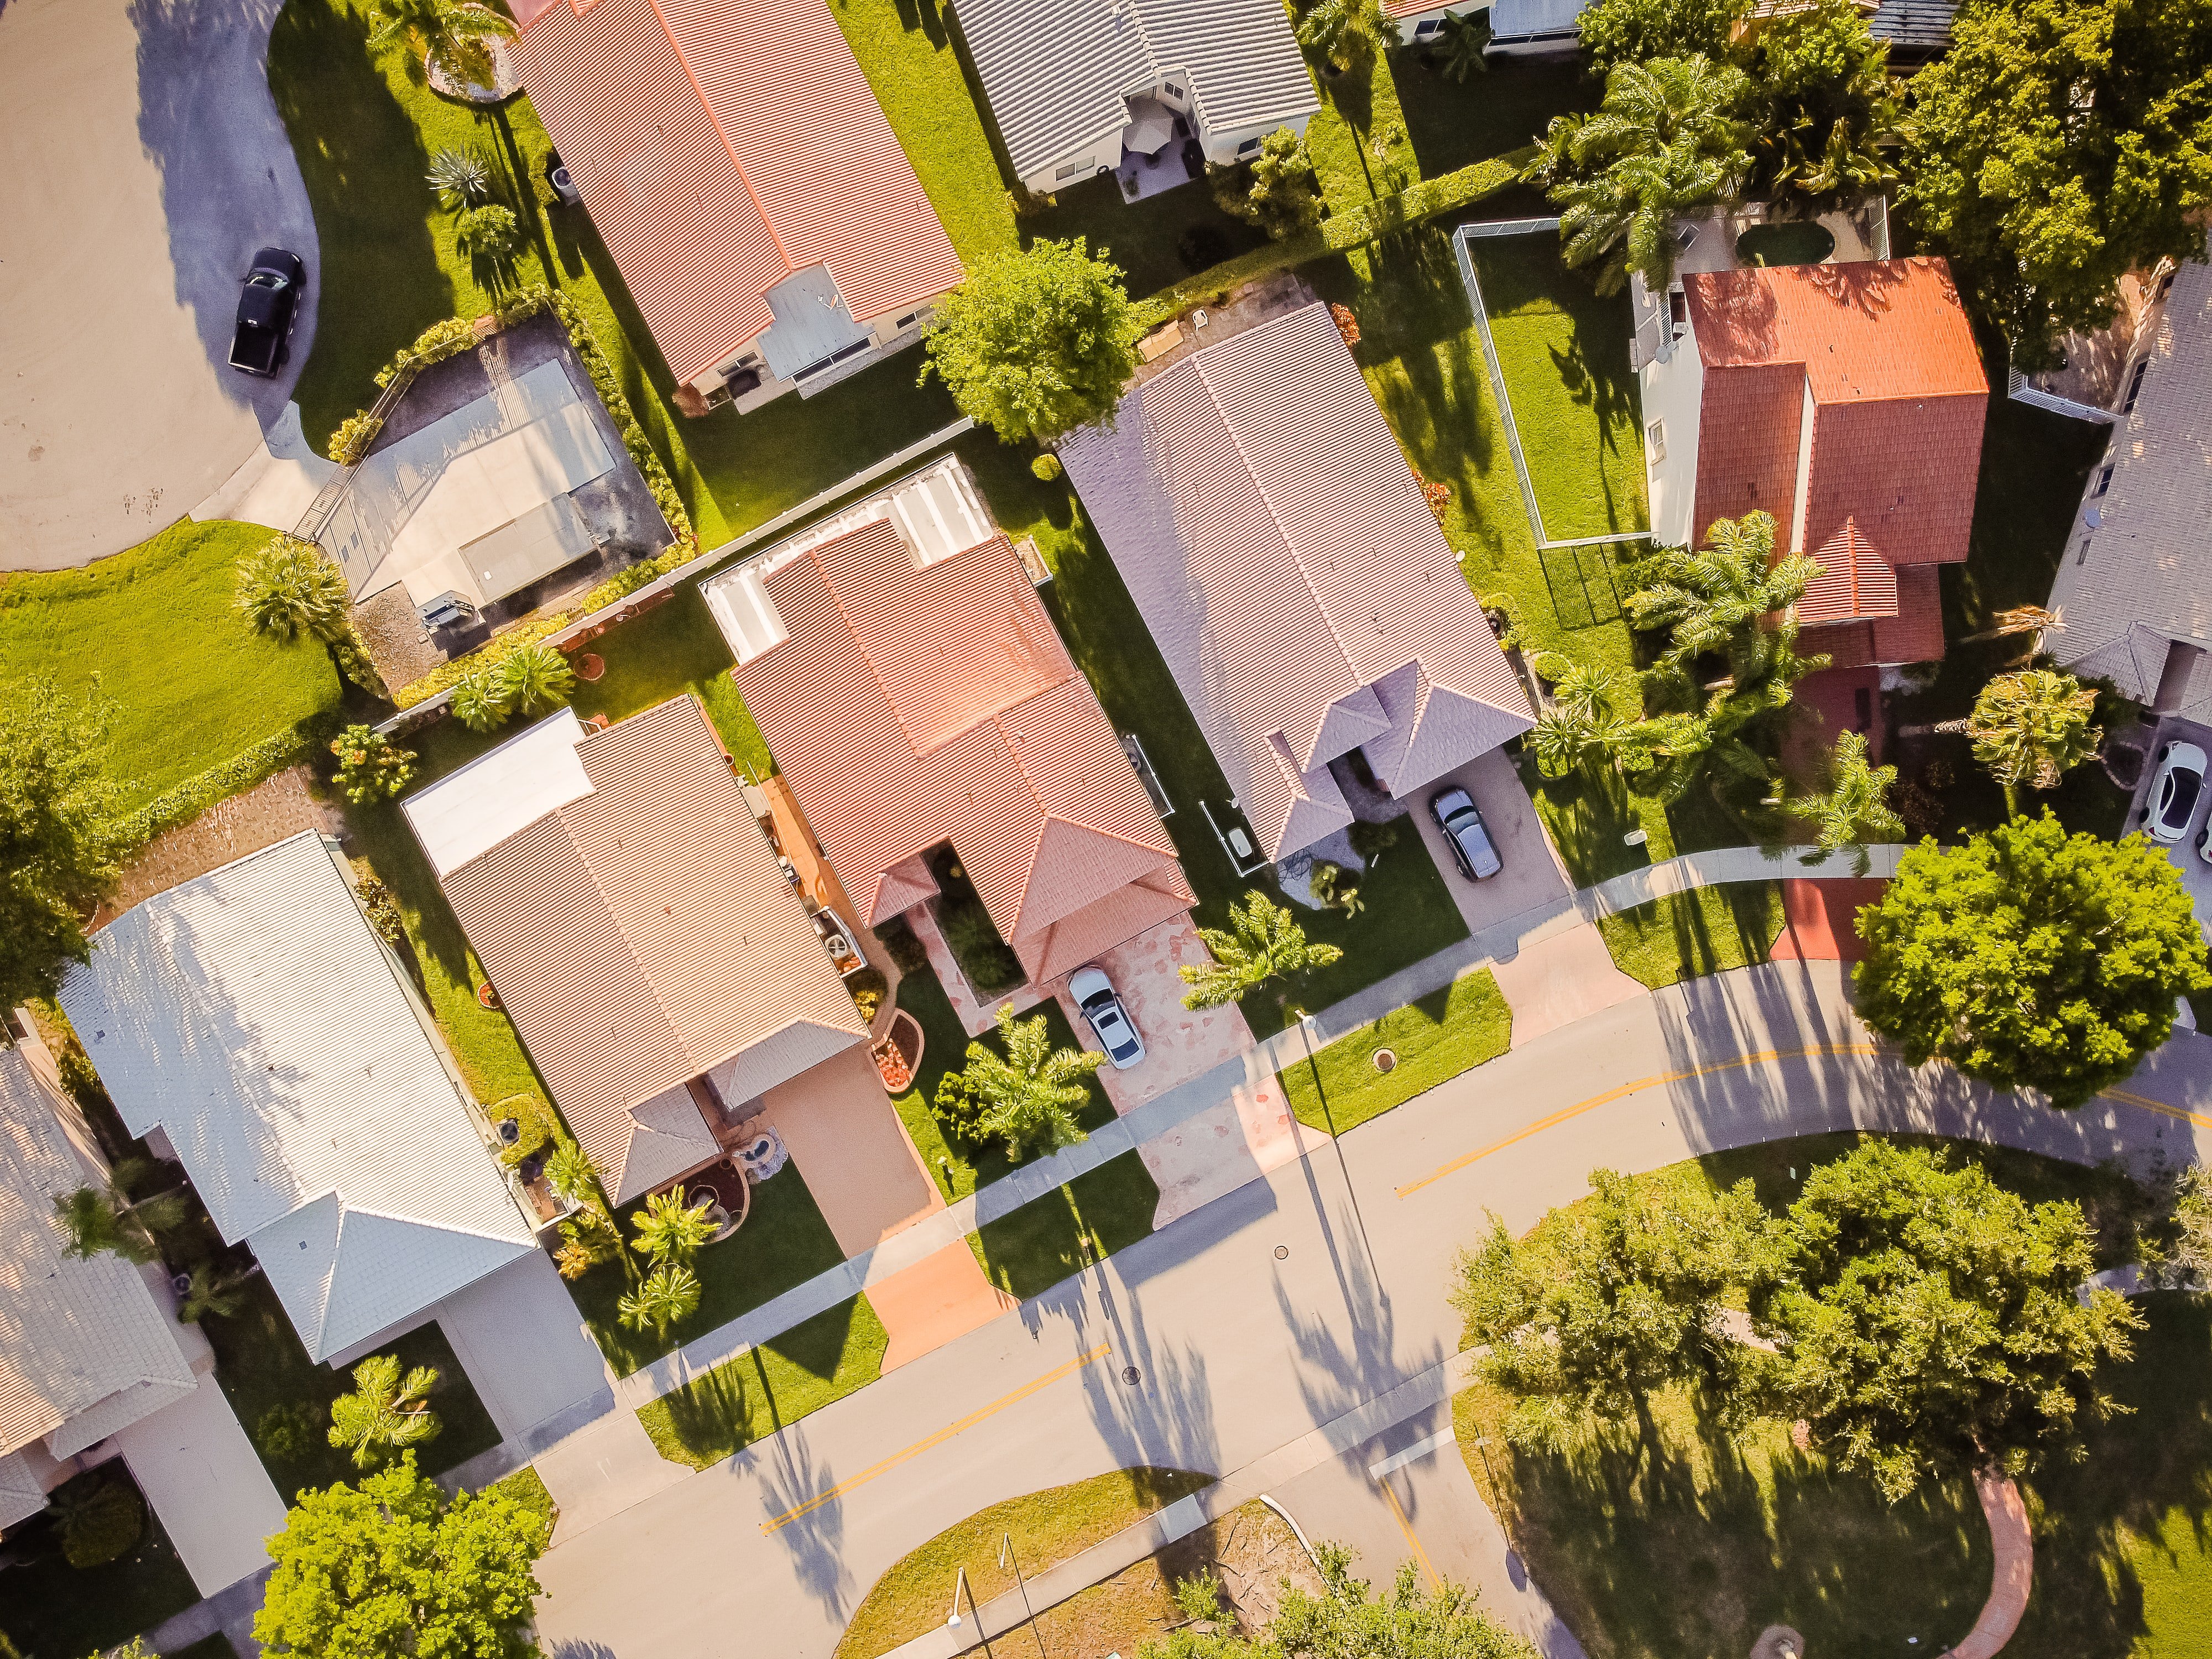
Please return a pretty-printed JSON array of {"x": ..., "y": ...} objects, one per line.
[{"x": 1071, "y": 83}]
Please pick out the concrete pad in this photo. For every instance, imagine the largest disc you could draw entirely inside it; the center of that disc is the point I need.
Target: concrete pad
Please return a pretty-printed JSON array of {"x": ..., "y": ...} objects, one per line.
[
  {"x": 1180, "y": 1043},
  {"x": 1254, "y": 1134},
  {"x": 1820, "y": 923},
  {"x": 927, "y": 1306},
  {"x": 1532, "y": 875},
  {"x": 603, "y": 1469},
  {"x": 852, "y": 1151},
  {"x": 275, "y": 484},
  {"x": 519, "y": 1338},
  {"x": 1560, "y": 980},
  {"x": 200, "y": 1473}
]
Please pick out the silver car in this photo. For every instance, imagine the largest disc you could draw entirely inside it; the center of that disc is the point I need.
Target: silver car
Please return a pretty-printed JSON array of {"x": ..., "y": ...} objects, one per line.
[
  {"x": 2174, "y": 792},
  {"x": 1108, "y": 1020}
]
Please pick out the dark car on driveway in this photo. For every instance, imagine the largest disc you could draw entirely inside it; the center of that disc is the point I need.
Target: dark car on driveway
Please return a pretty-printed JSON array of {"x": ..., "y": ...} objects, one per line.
[
  {"x": 1455, "y": 812},
  {"x": 268, "y": 306}
]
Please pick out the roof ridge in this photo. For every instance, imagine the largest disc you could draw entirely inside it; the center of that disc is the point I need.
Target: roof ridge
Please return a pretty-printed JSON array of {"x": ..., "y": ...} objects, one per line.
[{"x": 715, "y": 122}]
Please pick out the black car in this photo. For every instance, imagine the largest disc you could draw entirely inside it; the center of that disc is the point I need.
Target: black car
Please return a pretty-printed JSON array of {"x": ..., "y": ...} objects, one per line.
[
  {"x": 268, "y": 305},
  {"x": 1455, "y": 815}
]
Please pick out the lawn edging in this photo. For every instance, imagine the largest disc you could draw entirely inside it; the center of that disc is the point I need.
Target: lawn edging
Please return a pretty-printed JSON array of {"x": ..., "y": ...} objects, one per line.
[{"x": 240, "y": 772}]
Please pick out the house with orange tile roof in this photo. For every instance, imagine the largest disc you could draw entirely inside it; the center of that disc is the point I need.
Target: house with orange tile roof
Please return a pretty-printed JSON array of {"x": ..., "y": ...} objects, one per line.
[
  {"x": 916, "y": 697},
  {"x": 1294, "y": 580},
  {"x": 760, "y": 211},
  {"x": 1845, "y": 399}
]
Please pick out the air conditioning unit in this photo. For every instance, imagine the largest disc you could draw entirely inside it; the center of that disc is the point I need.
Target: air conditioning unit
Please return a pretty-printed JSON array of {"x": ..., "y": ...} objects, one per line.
[{"x": 448, "y": 609}]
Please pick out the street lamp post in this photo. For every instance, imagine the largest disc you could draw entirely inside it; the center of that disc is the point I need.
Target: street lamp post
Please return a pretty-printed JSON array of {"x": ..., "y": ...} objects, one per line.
[
  {"x": 1007, "y": 1563},
  {"x": 952, "y": 1620},
  {"x": 1313, "y": 1065}
]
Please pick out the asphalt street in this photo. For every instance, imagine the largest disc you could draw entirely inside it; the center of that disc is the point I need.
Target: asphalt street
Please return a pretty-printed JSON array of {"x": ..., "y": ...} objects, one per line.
[{"x": 1240, "y": 1328}]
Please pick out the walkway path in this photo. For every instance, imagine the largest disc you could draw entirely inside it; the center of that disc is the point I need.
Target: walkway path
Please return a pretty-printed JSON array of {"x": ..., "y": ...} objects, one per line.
[{"x": 2013, "y": 1573}]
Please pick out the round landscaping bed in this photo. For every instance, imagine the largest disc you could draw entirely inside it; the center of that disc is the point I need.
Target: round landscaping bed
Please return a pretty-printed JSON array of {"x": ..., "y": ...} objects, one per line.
[{"x": 1790, "y": 242}]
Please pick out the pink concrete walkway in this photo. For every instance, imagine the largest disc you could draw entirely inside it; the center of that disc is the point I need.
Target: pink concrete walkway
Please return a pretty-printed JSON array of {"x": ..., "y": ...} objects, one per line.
[
  {"x": 2015, "y": 1568},
  {"x": 1558, "y": 980}
]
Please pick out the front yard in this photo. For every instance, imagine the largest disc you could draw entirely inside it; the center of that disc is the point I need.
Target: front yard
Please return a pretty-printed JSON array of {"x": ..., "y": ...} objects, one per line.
[
  {"x": 1706, "y": 931},
  {"x": 769, "y": 1387},
  {"x": 51, "y": 1610},
  {"x": 1432, "y": 1039}
]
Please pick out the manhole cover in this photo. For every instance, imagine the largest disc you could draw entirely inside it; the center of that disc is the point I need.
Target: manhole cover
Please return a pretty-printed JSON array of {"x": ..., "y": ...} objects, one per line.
[
  {"x": 1132, "y": 1375},
  {"x": 1386, "y": 1060},
  {"x": 1282, "y": 1252}
]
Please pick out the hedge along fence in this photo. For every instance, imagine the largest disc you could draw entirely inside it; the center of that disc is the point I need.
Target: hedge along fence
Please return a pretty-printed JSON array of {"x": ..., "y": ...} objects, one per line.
[
  {"x": 239, "y": 773},
  {"x": 1340, "y": 233}
]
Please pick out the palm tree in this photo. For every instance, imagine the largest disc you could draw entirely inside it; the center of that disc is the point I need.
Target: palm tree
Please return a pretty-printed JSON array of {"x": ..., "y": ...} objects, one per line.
[
  {"x": 385, "y": 1412},
  {"x": 669, "y": 1295},
  {"x": 454, "y": 36},
  {"x": 2032, "y": 727},
  {"x": 1342, "y": 35},
  {"x": 220, "y": 1291},
  {"x": 1588, "y": 714},
  {"x": 288, "y": 590},
  {"x": 1031, "y": 1094},
  {"x": 1459, "y": 48},
  {"x": 1854, "y": 808},
  {"x": 1717, "y": 600},
  {"x": 480, "y": 700},
  {"x": 1265, "y": 942},
  {"x": 1848, "y": 165},
  {"x": 535, "y": 676},
  {"x": 671, "y": 1230},
  {"x": 104, "y": 1220}
]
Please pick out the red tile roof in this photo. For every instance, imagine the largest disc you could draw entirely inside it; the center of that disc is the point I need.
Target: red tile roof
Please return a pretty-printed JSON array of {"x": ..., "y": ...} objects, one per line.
[
  {"x": 720, "y": 147},
  {"x": 912, "y": 707}
]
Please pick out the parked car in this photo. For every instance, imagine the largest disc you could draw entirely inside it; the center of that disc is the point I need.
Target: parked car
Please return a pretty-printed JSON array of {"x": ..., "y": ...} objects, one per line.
[
  {"x": 2173, "y": 792},
  {"x": 268, "y": 306},
  {"x": 1453, "y": 809},
  {"x": 1108, "y": 1020}
]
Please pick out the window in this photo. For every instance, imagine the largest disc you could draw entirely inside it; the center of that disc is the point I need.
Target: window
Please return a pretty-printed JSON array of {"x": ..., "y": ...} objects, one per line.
[
  {"x": 1173, "y": 90},
  {"x": 1678, "y": 311},
  {"x": 1074, "y": 170},
  {"x": 1422, "y": 32},
  {"x": 2134, "y": 386},
  {"x": 907, "y": 322},
  {"x": 2104, "y": 482},
  {"x": 1656, "y": 435},
  {"x": 1247, "y": 147}
]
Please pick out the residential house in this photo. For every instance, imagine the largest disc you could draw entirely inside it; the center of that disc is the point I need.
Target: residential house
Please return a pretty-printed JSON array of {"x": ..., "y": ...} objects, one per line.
[
  {"x": 1535, "y": 28},
  {"x": 760, "y": 211},
  {"x": 915, "y": 696},
  {"x": 94, "y": 1366},
  {"x": 2134, "y": 588},
  {"x": 1074, "y": 84},
  {"x": 1845, "y": 399},
  {"x": 252, "y": 1022},
  {"x": 1295, "y": 578}
]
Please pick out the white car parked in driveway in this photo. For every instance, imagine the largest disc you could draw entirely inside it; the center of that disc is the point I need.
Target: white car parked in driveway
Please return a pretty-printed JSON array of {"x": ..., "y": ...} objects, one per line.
[
  {"x": 1108, "y": 1020},
  {"x": 2174, "y": 792}
]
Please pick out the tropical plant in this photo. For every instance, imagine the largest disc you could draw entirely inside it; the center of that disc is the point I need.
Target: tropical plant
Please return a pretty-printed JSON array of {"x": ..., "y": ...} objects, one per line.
[
  {"x": 1819, "y": 102},
  {"x": 99, "y": 1516},
  {"x": 2033, "y": 727},
  {"x": 1717, "y": 601},
  {"x": 1047, "y": 469},
  {"x": 668, "y": 1295},
  {"x": 453, "y": 36},
  {"x": 386, "y": 1413},
  {"x": 589, "y": 1236},
  {"x": 1460, "y": 46},
  {"x": 1277, "y": 191},
  {"x": 534, "y": 677},
  {"x": 2189, "y": 1258},
  {"x": 212, "y": 1291},
  {"x": 1264, "y": 941},
  {"x": 104, "y": 1220},
  {"x": 1590, "y": 715},
  {"x": 288, "y": 590},
  {"x": 1340, "y": 35},
  {"x": 59, "y": 839},
  {"x": 481, "y": 701},
  {"x": 371, "y": 767},
  {"x": 670, "y": 1229},
  {"x": 489, "y": 232},
  {"x": 1346, "y": 1620},
  {"x": 1613, "y": 31},
  {"x": 461, "y": 176},
  {"x": 1330, "y": 892},
  {"x": 1032, "y": 1094},
  {"x": 2029, "y": 958},
  {"x": 1854, "y": 808}
]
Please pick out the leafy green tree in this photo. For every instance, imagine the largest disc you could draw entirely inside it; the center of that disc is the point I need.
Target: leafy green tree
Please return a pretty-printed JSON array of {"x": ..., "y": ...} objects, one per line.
[
  {"x": 1340, "y": 35},
  {"x": 2030, "y": 958},
  {"x": 2189, "y": 1258},
  {"x": 2057, "y": 146},
  {"x": 670, "y": 1230},
  {"x": 59, "y": 843},
  {"x": 1030, "y": 1096},
  {"x": 454, "y": 36},
  {"x": 394, "y": 1568},
  {"x": 535, "y": 676},
  {"x": 385, "y": 1412},
  {"x": 1037, "y": 342},
  {"x": 490, "y": 231},
  {"x": 1717, "y": 601},
  {"x": 667, "y": 1296},
  {"x": 1277, "y": 191},
  {"x": 1615, "y": 32},
  {"x": 212, "y": 1291},
  {"x": 104, "y": 1220},
  {"x": 288, "y": 590},
  {"x": 2033, "y": 727},
  {"x": 1927, "y": 1321},
  {"x": 1819, "y": 101},
  {"x": 1854, "y": 808},
  {"x": 371, "y": 767},
  {"x": 1264, "y": 942},
  {"x": 1609, "y": 1299},
  {"x": 1346, "y": 1620},
  {"x": 1462, "y": 45}
]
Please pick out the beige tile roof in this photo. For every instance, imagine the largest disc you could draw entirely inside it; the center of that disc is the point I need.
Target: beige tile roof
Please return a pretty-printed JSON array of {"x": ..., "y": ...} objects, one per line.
[
  {"x": 643, "y": 935},
  {"x": 84, "y": 1348}
]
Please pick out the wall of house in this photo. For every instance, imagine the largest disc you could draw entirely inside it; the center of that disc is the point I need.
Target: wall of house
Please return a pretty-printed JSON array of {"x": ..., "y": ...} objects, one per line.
[
  {"x": 1228, "y": 146},
  {"x": 1102, "y": 154},
  {"x": 1807, "y": 417},
  {"x": 1673, "y": 390},
  {"x": 1421, "y": 25}
]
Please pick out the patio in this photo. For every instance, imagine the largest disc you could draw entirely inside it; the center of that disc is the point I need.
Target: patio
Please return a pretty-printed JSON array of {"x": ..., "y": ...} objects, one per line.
[{"x": 1180, "y": 160}]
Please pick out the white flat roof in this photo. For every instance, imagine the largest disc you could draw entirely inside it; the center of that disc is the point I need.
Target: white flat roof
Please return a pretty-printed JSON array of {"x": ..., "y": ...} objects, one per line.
[{"x": 464, "y": 815}]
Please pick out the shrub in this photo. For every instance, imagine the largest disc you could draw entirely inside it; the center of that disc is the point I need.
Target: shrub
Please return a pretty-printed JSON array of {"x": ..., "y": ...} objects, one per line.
[
  {"x": 289, "y": 1432},
  {"x": 905, "y": 945},
  {"x": 535, "y": 1120},
  {"x": 370, "y": 766},
  {"x": 433, "y": 344},
  {"x": 1046, "y": 468},
  {"x": 242, "y": 771},
  {"x": 1347, "y": 324},
  {"x": 382, "y": 910},
  {"x": 100, "y": 1520},
  {"x": 489, "y": 232},
  {"x": 868, "y": 987},
  {"x": 959, "y": 1108},
  {"x": 480, "y": 700},
  {"x": 354, "y": 434}
]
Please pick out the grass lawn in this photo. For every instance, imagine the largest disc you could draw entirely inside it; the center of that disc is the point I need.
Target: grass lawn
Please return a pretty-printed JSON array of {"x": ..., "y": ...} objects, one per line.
[
  {"x": 1358, "y": 138},
  {"x": 191, "y": 686},
  {"x": 1048, "y": 1528},
  {"x": 262, "y": 1370},
  {"x": 51, "y": 1610},
  {"x": 1050, "y": 1238},
  {"x": 770, "y": 1388},
  {"x": 784, "y": 1242},
  {"x": 1435, "y": 1038},
  {"x": 1456, "y": 123},
  {"x": 1703, "y": 931},
  {"x": 1157, "y": 241},
  {"x": 673, "y": 648}
]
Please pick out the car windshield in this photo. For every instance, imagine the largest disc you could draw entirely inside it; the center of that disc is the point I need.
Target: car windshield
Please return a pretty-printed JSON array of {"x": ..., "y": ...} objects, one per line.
[
  {"x": 266, "y": 279},
  {"x": 2181, "y": 787}
]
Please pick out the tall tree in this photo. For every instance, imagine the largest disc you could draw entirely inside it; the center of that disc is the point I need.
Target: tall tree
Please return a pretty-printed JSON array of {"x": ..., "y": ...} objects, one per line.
[
  {"x": 1264, "y": 941},
  {"x": 394, "y": 1568},
  {"x": 105, "y": 1220},
  {"x": 1340, "y": 35},
  {"x": 2057, "y": 146},
  {"x": 59, "y": 839},
  {"x": 534, "y": 677},
  {"x": 1346, "y": 1620},
  {"x": 667, "y": 1296},
  {"x": 1928, "y": 1321},
  {"x": 1610, "y": 1298},
  {"x": 1854, "y": 808},
  {"x": 670, "y": 1229},
  {"x": 1717, "y": 601},
  {"x": 1818, "y": 100},
  {"x": 1030, "y": 1096},
  {"x": 2030, "y": 958},
  {"x": 454, "y": 36},
  {"x": 1277, "y": 191},
  {"x": 1037, "y": 342},
  {"x": 385, "y": 1412},
  {"x": 2033, "y": 727},
  {"x": 1591, "y": 712},
  {"x": 1613, "y": 31},
  {"x": 288, "y": 590}
]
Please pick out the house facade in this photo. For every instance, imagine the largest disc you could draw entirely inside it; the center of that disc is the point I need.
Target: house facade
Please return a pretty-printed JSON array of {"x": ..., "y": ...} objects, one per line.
[
  {"x": 763, "y": 215},
  {"x": 1292, "y": 574},
  {"x": 1075, "y": 84}
]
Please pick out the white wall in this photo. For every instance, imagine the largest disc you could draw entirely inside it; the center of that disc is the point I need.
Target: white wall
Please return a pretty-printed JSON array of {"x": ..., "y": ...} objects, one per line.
[
  {"x": 1100, "y": 155},
  {"x": 1673, "y": 392},
  {"x": 1221, "y": 146},
  {"x": 1409, "y": 25}
]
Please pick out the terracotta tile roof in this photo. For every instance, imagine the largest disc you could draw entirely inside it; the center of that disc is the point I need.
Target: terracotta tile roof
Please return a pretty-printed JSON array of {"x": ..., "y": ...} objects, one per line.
[
  {"x": 1903, "y": 471},
  {"x": 1271, "y": 532},
  {"x": 1854, "y": 581},
  {"x": 1915, "y": 634},
  {"x": 1880, "y": 329},
  {"x": 643, "y": 935},
  {"x": 722, "y": 147},
  {"x": 909, "y": 707},
  {"x": 1747, "y": 431}
]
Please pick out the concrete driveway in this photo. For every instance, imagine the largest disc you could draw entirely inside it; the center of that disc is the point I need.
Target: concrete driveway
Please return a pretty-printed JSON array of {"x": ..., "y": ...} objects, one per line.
[
  {"x": 144, "y": 163},
  {"x": 1531, "y": 876}
]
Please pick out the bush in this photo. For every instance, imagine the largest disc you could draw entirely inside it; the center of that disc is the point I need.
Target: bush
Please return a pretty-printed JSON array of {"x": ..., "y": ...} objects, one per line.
[
  {"x": 382, "y": 911},
  {"x": 354, "y": 434},
  {"x": 868, "y": 987},
  {"x": 290, "y": 1432},
  {"x": 959, "y": 1108},
  {"x": 100, "y": 1521},
  {"x": 1046, "y": 468},
  {"x": 371, "y": 767},
  {"x": 904, "y": 946},
  {"x": 534, "y": 1118}
]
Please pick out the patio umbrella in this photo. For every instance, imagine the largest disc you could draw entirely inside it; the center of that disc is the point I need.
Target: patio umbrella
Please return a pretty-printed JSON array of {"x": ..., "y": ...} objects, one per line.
[{"x": 1152, "y": 123}]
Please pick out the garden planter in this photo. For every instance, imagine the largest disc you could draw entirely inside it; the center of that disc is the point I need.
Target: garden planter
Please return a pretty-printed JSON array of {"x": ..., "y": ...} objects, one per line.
[
  {"x": 505, "y": 82},
  {"x": 898, "y": 1055},
  {"x": 487, "y": 996},
  {"x": 590, "y": 667}
]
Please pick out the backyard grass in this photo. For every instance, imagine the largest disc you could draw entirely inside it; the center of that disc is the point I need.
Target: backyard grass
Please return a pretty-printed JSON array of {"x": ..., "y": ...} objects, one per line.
[
  {"x": 1358, "y": 139},
  {"x": 1048, "y": 1528},
  {"x": 1454, "y": 123},
  {"x": 1703, "y": 932},
  {"x": 784, "y": 1242},
  {"x": 769, "y": 1387},
  {"x": 1051, "y": 1238},
  {"x": 51, "y": 1610},
  {"x": 191, "y": 686},
  {"x": 673, "y": 648},
  {"x": 1157, "y": 241},
  {"x": 1435, "y": 1038}
]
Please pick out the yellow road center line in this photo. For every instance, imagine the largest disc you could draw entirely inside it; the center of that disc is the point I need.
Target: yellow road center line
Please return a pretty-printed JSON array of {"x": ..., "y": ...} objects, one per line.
[
  {"x": 2158, "y": 1106},
  {"x": 1436, "y": 1580},
  {"x": 937, "y": 1439}
]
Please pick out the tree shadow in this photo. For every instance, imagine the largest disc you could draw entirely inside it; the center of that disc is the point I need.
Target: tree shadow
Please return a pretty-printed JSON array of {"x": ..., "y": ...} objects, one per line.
[{"x": 790, "y": 1477}]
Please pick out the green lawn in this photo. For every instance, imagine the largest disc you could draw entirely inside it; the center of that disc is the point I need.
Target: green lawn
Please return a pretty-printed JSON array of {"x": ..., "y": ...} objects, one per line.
[
  {"x": 673, "y": 648},
  {"x": 1358, "y": 138},
  {"x": 784, "y": 1242},
  {"x": 1435, "y": 1038},
  {"x": 1048, "y": 1528},
  {"x": 191, "y": 686},
  {"x": 51, "y": 1610},
  {"x": 1685, "y": 934},
  {"x": 771, "y": 1387},
  {"x": 1050, "y": 1238},
  {"x": 1157, "y": 242},
  {"x": 1456, "y": 123}
]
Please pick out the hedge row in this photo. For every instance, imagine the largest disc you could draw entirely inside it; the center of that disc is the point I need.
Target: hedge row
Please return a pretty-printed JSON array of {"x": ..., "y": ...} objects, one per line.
[
  {"x": 1340, "y": 234},
  {"x": 240, "y": 772}
]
